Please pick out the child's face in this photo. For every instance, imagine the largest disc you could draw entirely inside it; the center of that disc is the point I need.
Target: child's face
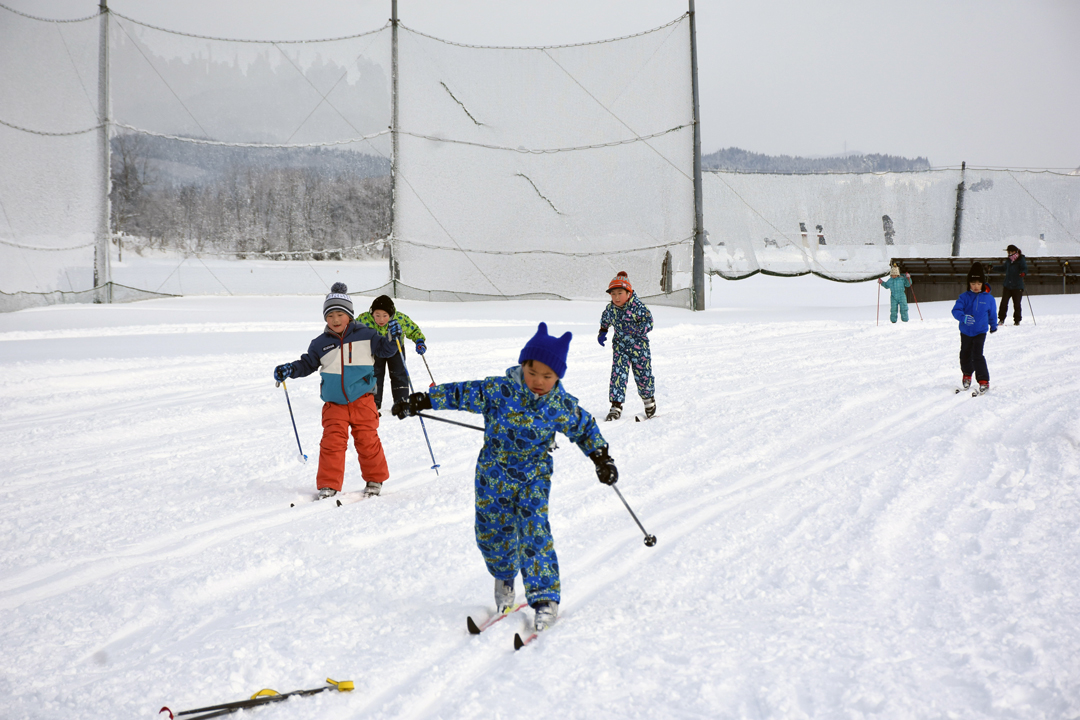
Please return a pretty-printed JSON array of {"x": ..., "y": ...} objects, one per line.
[
  {"x": 976, "y": 286},
  {"x": 338, "y": 320},
  {"x": 381, "y": 317},
  {"x": 619, "y": 297},
  {"x": 539, "y": 377}
]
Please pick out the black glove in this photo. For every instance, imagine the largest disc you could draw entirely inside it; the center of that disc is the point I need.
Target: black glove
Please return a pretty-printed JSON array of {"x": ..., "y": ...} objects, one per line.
[
  {"x": 283, "y": 372},
  {"x": 408, "y": 408},
  {"x": 605, "y": 466},
  {"x": 993, "y": 330}
]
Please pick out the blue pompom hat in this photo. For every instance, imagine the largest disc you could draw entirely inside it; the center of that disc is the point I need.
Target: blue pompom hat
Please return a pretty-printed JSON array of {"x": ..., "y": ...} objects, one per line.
[{"x": 547, "y": 349}]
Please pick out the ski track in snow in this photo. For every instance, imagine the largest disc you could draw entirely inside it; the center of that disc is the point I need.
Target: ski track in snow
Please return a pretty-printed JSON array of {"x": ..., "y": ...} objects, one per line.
[{"x": 839, "y": 534}]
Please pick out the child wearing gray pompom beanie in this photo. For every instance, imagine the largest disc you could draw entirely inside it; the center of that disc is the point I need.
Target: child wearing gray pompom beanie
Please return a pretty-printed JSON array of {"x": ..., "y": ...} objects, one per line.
[{"x": 344, "y": 354}]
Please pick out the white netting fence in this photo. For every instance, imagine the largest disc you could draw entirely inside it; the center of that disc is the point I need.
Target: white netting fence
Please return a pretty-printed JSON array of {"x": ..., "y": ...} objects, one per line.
[
  {"x": 541, "y": 172},
  {"x": 847, "y": 226},
  {"x": 243, "y": 166}
]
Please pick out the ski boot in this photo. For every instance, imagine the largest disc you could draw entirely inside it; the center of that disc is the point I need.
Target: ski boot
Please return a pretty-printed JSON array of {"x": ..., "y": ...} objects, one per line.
[
  {"x": 984, "y": 387},
  {"x": 372, "y": 489},
  {"x": 967, "y": 381},
  {"x": 504, "y": 595},
  {"x": 650, "y": 407},
  {"x": 325, "y": 492},
  {"x": 547, "y": 612},
  {"x": 615, "y": 412}
]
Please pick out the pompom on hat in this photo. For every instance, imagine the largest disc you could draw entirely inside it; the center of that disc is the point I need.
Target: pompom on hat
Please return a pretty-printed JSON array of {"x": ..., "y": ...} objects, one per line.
[
  {"x": 384, "y": 303},
  {"x": 620, "y": 281},
  {"x": 549, "y": 350},
  {"x": 338, "y": 299}
]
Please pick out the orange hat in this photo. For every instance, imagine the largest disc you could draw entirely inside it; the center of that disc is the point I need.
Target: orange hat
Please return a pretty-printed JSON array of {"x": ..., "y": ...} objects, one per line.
[{"x": 622, "y": 280}]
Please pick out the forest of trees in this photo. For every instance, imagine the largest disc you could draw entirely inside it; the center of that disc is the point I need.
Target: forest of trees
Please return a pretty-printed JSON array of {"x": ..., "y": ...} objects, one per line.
[
  {"x": 317, "y": 203},
  {"x": 282, "y": 204},
  {"x": 738, "y": 160}
]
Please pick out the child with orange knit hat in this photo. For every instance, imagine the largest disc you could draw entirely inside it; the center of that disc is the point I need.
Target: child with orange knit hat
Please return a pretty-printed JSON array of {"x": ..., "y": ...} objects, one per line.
[{"x": 632, "y": 322}]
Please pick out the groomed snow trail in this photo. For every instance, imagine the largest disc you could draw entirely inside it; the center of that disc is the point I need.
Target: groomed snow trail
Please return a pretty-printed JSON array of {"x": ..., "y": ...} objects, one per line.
[{"x": 840, "y": 535}]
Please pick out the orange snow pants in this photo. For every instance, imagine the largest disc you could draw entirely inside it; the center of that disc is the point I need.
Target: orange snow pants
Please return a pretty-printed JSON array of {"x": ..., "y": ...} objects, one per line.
[{"x": 362, "y": 418}]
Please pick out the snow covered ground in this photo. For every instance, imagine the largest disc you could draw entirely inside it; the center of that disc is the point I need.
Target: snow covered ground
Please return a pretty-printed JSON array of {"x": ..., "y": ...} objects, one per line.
[{"x": 840, "y": 535}]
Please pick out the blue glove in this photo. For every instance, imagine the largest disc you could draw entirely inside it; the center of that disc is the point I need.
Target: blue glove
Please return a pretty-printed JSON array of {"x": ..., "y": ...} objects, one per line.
[
  {"x": 283, "y": 372},
  {"x": 421, "y": 348},
  {"x": 394, "y": 328},
  {"x": 602, "y": 337},
  {"x": 968, "y": 320}
]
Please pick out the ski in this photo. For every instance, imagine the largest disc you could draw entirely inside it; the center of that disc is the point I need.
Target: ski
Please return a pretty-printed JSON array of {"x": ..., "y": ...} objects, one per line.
[
  {"x": 520, "y": 642},
  {"x": 475, "y": 629},
  {"x": 263, "y": 697},
  {"x": 642, "y": 417},
  {"x": 342, "y": 498}
]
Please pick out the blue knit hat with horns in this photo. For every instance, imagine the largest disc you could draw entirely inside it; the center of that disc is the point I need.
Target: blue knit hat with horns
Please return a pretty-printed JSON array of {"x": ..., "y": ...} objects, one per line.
[{"x": 547, "y": 349}]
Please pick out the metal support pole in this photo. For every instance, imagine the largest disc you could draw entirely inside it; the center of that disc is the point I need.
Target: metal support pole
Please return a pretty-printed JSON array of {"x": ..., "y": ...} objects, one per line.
[
  {"x": 699, "y": 223},
  {"x": 959, "y": 216},
  {"x": 393, "y": 145},
  {"x": 102, "y": 251}
]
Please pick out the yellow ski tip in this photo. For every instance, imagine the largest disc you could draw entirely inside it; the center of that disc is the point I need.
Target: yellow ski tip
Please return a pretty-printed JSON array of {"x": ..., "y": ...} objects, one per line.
[{"x": 343, "y": 686}]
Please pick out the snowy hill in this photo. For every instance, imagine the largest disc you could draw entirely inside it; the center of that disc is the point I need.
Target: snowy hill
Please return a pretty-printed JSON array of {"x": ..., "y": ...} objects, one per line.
[{"x": 840, "y": 536}]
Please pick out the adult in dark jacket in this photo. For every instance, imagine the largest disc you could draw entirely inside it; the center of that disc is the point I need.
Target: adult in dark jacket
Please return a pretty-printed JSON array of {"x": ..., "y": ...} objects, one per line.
[{"x": 1015, "y": 268}]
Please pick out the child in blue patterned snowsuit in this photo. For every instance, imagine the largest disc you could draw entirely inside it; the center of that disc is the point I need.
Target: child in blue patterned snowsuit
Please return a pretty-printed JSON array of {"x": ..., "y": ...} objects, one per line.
[
  {"x": 630, "y": 347},
  {"x": 897, "y": 288},
  {"x": 522, "y": 411}
]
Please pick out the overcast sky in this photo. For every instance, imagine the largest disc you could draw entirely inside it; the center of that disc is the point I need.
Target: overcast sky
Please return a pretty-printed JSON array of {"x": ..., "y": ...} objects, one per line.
[{"x": 990, "y": 82}]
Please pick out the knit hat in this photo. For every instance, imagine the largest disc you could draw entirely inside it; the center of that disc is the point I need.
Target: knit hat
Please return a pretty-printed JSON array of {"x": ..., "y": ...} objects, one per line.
[
  {"x": 338, "y": 299},
  {"x": 976, "y": 273},
  {"x": 894, "y": 271},
  {"x": 384, "y": 303},
  {"x": 547, "y": 349},
  {"x": 622, "y": 280}
]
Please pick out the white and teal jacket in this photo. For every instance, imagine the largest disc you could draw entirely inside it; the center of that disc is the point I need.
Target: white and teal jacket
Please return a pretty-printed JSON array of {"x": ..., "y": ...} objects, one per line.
[{"x": 345, "y": 362}]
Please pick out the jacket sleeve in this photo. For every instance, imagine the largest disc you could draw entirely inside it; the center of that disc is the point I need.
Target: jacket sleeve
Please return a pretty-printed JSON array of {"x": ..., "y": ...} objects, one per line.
[
  {"x": 409, "y": 328},
  {"x": 907, "y": 282},
  {"x": 469, "y": 396},
  {"x": 608, "y": 317},
  {"x": 958, "y": 310},
  {"x": 991, "y": 313},
  {"x": 582, "y": 430},
  {"x": 999, "y": 268},
  {"x": 383, "y": 346},
  {"x": 1022, "y": 263},
  {"x": 309, "y": 362}
]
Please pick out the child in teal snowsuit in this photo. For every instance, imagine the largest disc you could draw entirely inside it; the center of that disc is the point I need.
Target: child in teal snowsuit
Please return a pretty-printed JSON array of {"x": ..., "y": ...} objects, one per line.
[
  {"x": 522, "y": 411},
  {"x": 897, "y": 293}
]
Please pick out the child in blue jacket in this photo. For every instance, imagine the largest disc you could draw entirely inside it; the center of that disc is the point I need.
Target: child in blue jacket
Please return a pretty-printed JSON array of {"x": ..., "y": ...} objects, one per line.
[
  {"x": 897, "y": 288},
  {"x": 344, "y": 354},
  {"x": 975, "y": 311},
  {"x": 522, "y": 411},
  {"x": 630, "y": 347}
]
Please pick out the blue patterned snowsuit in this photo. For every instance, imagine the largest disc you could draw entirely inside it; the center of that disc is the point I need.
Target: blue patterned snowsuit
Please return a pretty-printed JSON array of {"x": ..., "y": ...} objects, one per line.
[
  {"x": 513, "y": 472},
  {"x": 629, "y": 348},
  {"x": 897, "y": 296}
]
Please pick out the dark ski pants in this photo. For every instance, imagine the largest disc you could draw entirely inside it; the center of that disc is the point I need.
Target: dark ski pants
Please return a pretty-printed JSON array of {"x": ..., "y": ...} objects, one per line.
[
  {"x": 972, "y": 361},
  {"x": 399, "y": 379},
  {"x": 1003, "y": 309}
]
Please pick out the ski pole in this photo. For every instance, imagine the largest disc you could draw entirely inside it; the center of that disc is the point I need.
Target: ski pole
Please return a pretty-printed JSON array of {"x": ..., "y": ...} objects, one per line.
[
  {"x": 263, "y": 697},
  {"x": 303, "y": 457},
  {"x": 434, "y": 465},
  {"x": 1029, "y": 308},
  {"x": 452, "y": 422},
  {"x": 916, "y": 302},
  {"x": 877, "y": 320},
  {"x": 650, "y": 540},
  {"x": 428, "y": 371}
]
